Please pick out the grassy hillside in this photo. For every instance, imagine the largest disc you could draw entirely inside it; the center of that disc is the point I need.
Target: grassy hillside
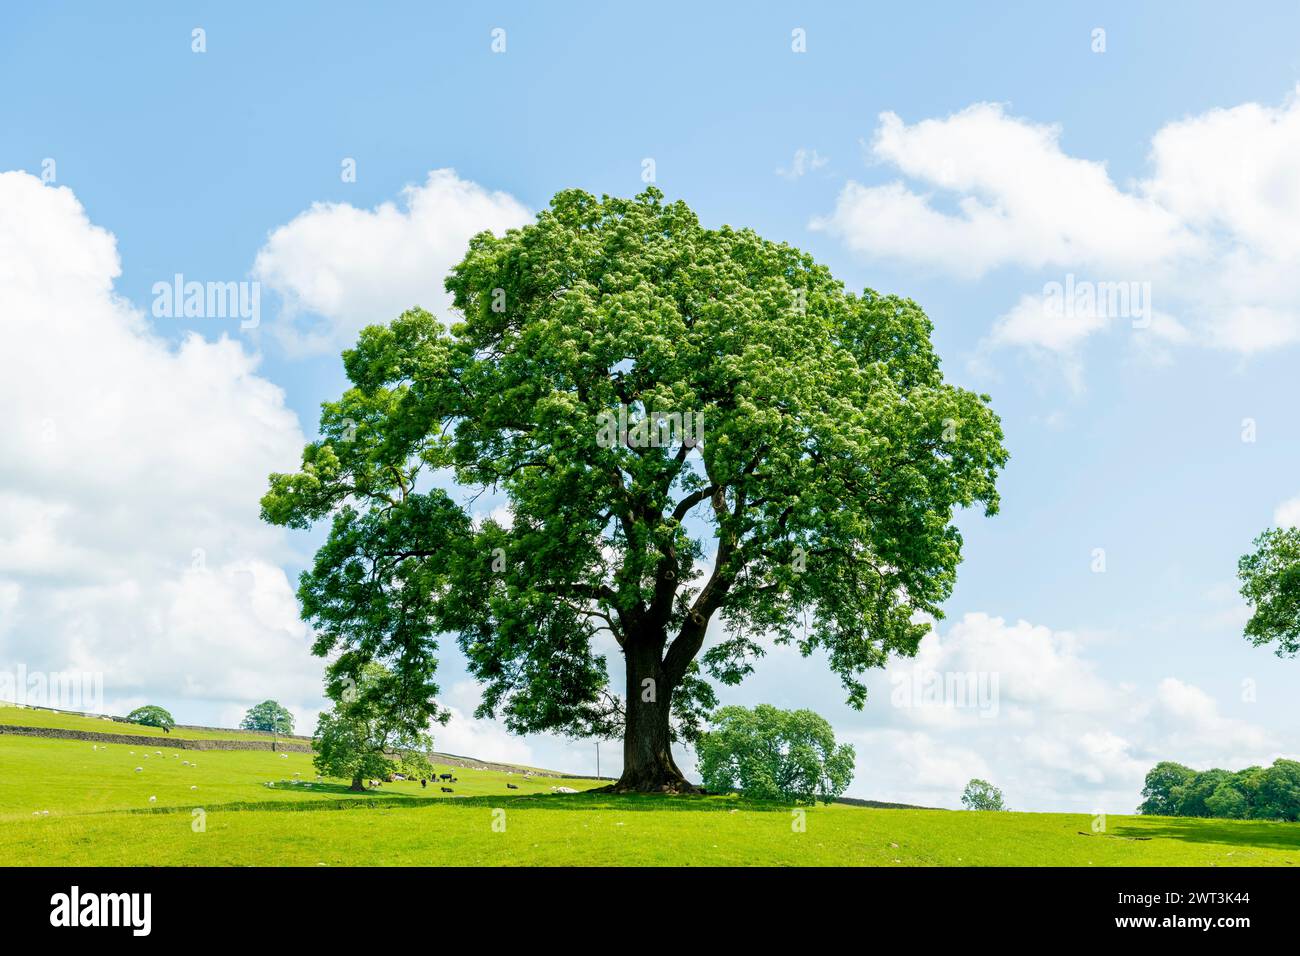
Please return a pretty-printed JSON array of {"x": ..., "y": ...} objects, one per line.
[
  {"x": 99, "y": 814},
  {"x": 29, "y": 717},
  {"x": 72, "y": 776}
]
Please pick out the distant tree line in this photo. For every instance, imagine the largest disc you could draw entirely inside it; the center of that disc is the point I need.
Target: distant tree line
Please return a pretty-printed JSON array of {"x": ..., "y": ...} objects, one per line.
[{"x": 1256, "y": 793}]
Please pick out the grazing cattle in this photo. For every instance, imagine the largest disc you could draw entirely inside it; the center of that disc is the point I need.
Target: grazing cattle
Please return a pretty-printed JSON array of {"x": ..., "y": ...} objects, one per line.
[
  {"x": 512, "y": 786},
  {"x": 423, "y": 783},
  {"x": 446, "y": 790},
  {"x": 444, "y": 776}
]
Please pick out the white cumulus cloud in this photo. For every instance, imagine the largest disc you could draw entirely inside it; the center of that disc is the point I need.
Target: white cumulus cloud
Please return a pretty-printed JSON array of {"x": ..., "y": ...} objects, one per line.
[
  {"x": 130, "y": 473},
  {"x": 1214, "y": 228},
  {"x": 339, "y": 268}
]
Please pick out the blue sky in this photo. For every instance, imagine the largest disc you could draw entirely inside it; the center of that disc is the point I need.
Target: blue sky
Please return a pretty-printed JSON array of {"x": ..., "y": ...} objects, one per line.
[{"x": 1169, "y": 158}]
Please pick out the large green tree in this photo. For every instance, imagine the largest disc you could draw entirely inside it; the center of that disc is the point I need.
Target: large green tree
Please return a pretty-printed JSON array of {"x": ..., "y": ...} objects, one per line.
[
  {"x": 816, "y": 511},
  {"x": 1270, "y": 583}
]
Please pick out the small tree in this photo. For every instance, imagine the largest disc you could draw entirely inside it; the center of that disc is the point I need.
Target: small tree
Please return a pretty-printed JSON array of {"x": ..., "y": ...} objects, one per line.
[
  {"x": 773, "y": 754},
  {"x": 364, "y": 735},
  {"x": 1270, "y": 583},
  {"x": 268, "y": 716},
  {"x": 982, "y": 795},
  {"x": 151, "y": 715}
]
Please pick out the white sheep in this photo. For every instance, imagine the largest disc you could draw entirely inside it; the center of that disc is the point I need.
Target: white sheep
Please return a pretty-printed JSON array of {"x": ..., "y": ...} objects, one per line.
[
  {"x": 153, "y": 799},
  {"x": 139, "y": 769},
  {"x": 193, "y": 787}
]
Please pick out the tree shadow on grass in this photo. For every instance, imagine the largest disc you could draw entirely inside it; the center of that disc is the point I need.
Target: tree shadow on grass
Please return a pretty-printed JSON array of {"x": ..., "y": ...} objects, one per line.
[
  {"x": 1248, "y": 834},
  {"x": 543, "y": 801}
]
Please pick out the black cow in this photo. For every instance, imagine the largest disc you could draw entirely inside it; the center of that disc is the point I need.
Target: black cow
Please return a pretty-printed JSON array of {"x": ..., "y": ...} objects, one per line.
[
  {"x": 444, "y": 776},
  {"x": 512, "y": 786},
  {"x": 423, "y": 783},
  {"x": 446, "y": 790}
]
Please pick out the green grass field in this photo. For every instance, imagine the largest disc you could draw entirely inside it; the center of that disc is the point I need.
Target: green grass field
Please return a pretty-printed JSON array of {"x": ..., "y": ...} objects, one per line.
[
  {"x": 100, "y": 815},
  {"x": 29, "y": 717}
]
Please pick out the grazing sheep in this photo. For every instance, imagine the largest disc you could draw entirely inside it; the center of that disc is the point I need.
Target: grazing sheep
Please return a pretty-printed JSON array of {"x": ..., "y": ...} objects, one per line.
[
  {"x": 139, "y": 769},
  {"x": 153, "y": 799},
  {"x": 446, "y": 790},
  {"x": 192, "y": 787}
]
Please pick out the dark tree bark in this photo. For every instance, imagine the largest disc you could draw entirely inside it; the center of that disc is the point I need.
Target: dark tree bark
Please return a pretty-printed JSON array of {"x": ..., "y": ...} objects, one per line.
[
  {"x": 648, "y": 765},
  {"x": 357, "y": 784}
]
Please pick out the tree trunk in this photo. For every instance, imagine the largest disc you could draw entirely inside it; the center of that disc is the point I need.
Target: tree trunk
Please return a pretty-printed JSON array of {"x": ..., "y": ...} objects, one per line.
[
  {"x": 357, "y": 784},
  {"x": 648, "y": 765}
]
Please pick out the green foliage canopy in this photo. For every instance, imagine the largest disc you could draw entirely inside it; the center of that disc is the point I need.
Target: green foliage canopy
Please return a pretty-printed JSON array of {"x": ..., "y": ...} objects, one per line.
[
  {"x": 151, "y": 715},
  {"x": 1270, "y": 583},
  {"x": 1255, "y": 793},
  {"x": 268, "y": 716},
  {"x": 363, "y": 736},
  {"x": 816, "y": 512},
  {"x": 982, "y": 795},
  {"x": 772, "y": 754}
]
